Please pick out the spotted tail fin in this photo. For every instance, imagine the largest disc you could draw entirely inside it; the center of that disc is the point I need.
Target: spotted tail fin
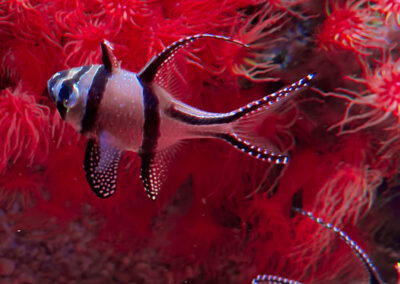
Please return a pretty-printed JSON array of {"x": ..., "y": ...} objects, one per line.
[
  {"x": 272, "y": 279},
  {"x": 253, "y": 150},
  {"x": 245, "y": 118},
  {"x": 241, "y": 134}
]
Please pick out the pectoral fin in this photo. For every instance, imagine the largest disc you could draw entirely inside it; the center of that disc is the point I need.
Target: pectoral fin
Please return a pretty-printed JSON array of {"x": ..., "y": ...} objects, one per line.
[{"x": 101, "y": 166}]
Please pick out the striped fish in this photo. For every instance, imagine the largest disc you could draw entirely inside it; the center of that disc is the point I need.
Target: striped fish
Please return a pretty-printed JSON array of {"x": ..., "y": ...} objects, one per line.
[{"x": 123, "y": 111}]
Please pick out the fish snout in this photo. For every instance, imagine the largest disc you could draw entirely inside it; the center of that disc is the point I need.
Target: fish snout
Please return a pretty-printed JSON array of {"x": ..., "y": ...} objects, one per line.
[{"x": 53, "y": 84}]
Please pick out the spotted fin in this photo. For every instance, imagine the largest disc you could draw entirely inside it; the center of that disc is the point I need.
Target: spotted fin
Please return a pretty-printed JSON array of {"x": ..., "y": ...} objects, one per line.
[
  {"x": 153, "y": 170},
  {"x": 243, "y": 120},
  {"x": 253, "y": 150},
  {"x": 101, "y": 166},
  {"x": 162, "y": 69},
  {"x": 272, "y": 279},
  {"x": 186, "y": 114}
]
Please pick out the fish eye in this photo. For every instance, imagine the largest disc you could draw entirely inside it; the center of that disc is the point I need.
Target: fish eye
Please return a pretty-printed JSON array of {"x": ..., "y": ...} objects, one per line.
[{"x": 68, "y": 95}]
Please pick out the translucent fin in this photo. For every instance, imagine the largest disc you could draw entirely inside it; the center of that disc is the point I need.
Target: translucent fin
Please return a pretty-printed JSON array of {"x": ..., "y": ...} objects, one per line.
[
  {"x": 101, "y": 166},
  {"x": 244, "y": 115},
  {"x": 172, "y": 69},
  {"x": 242, "y": 119},
  {"x": 254, "y": 113},
  {"x": 154, "y": 170}
]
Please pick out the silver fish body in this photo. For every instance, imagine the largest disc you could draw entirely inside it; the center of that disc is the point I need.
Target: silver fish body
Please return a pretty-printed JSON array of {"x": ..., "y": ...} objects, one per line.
[{"x": 123, "y": 111}]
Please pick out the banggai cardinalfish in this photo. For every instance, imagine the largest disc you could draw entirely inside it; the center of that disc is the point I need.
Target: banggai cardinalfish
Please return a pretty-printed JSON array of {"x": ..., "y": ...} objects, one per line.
[{"x": 123, "y": 111}]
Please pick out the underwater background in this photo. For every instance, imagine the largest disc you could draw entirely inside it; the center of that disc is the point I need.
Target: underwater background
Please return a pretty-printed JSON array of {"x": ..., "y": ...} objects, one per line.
[{"x": 223, "y": 216}]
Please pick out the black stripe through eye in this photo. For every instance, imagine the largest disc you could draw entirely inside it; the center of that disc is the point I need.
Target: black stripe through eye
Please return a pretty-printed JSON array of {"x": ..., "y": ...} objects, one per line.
[
  {"x": 67, "y": 85},
  {"x": 53, "y": 81},
  {"x": 95, "y": 94},
  {"x": 63, "y": 96},
  {"x": 65, "y": 92}
]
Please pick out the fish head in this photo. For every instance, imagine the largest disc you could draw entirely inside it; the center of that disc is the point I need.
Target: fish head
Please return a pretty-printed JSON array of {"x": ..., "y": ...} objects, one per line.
[{"x": 68, "y": 89}]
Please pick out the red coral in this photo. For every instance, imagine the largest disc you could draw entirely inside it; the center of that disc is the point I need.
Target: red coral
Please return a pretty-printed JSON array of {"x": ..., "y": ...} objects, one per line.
[
  {"x": 83, "y": 35},
  {"x": 290, "y": 6},
  {"x": 127, "y": 11},
  {"x": 259, "y": 31},
  {"x": 25, "y": 128},
  {"x": 389, "y": 8},
  {"x": 352, "y": 27},
  {"x": 235, "y": 209},
  {"x": 348, "y": 185},
  {"x": 29, "y": 39},
  {"x": 376, "y": 103},
  {"x": 384, "y": 85}
]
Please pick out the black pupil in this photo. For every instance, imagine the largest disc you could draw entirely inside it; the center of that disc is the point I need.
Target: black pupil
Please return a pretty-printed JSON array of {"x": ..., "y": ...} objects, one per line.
[{"x": 65, "y": 91}]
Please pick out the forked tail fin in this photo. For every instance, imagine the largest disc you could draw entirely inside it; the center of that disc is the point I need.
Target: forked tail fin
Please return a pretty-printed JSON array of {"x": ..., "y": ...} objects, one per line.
[
  {"x": 240, "y": 133},
  {"x": 244, "y": 119}
]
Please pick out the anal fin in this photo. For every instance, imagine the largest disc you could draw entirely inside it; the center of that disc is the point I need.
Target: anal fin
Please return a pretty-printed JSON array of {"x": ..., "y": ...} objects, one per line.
[
  {"x": 101, "y": 166},
  {"x": 154, "y": 169}
]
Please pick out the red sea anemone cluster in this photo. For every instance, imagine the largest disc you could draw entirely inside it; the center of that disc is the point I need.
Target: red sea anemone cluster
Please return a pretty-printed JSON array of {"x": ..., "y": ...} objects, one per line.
[{"x": 223, "y": 217}]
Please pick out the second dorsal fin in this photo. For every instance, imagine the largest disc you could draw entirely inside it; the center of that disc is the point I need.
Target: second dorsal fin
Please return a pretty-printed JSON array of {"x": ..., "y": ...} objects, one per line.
[
  {"x": 149, "y": 71},
  {"x": 110, "y": 62}
]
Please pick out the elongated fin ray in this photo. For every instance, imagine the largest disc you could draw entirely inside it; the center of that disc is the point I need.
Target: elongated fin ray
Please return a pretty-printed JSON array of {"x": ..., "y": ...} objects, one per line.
[
  {"x": 272, "y": 279},
  {"x": 253, "y": 150},
  {"x": 208, "y": 118},
  {"x": 149, "y": 71},
  {"x": 101, "y": 166},
  {"x": 374, "y": 275}
]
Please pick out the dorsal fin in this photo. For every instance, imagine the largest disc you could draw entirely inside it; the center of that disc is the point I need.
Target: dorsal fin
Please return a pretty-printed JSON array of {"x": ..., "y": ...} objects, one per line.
[
  {"x": 149, "y": 71},
  {"x": 110, "y": 62}
]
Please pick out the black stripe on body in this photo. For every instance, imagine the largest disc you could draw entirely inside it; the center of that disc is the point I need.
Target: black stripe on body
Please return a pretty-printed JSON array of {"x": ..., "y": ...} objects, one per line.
[
  {"x": 68, "y": 84},
  {"x": 217, "y": 118},
  {"x": 151, "y": 121},
  {"x": 151, "y": 132},
  {"x": 94, "y": 97},
  {"x": 253, "y": 150}
]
